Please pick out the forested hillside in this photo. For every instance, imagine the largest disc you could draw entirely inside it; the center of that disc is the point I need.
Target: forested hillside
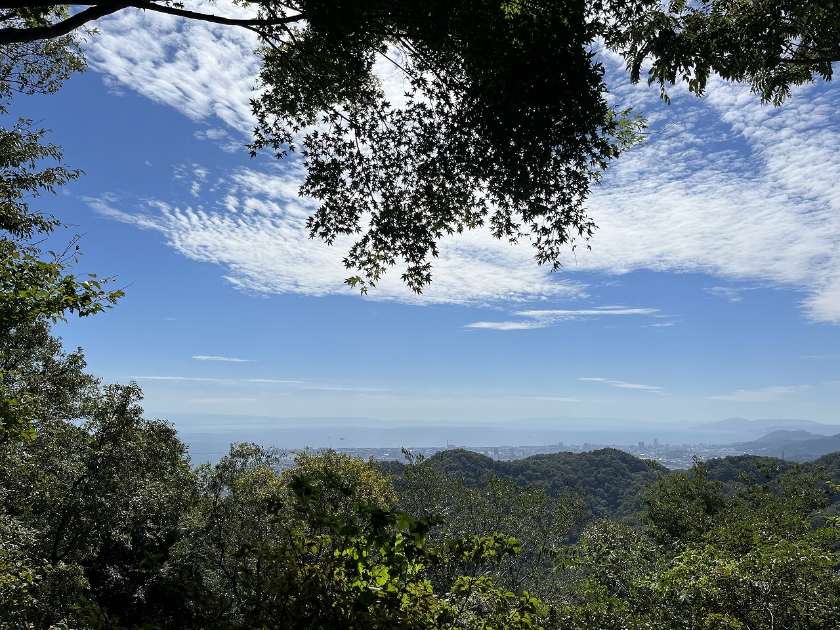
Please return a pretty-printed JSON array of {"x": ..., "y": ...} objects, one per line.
[
  {"x": 608, "y": 481},
  {"x": 105, "y": 524}
]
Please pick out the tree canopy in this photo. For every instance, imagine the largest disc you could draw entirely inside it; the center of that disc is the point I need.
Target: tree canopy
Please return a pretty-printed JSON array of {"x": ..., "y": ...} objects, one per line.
[
  {"x": 505, "y": 119},
  {"x": 36, "y": 287}
]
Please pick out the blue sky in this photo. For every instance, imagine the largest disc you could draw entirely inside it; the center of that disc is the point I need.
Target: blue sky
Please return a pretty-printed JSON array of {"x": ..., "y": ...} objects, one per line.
[{"x": 712, "y": 288}]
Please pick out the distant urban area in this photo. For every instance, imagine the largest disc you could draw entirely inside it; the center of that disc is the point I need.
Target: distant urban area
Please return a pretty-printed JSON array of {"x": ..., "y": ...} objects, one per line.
[
  {"x": 792, "y": 440},
  {"x": 669, "y": 455}
]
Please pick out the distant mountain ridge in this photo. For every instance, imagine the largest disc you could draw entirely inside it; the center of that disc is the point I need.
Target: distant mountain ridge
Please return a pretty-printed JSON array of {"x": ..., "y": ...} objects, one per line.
[
  {"x": 784, "y": 436},
  {"x": 796, "y": 445},
  {"x": 766, "y": 425}
]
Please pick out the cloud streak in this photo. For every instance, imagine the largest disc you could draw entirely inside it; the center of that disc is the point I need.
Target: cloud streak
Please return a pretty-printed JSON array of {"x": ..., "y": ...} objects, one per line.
[
  {"x": 295, "y": 384},
  {"x": 730, "y": 294},
  {"x": 262, "y": 243},
  {"x": 654, "y": 389},
  {"x": 550, "y": 317},
  {"x": 203, "y": 379},
  {"x": 764, "y": 394},
  {"x": 222, "y": 359}
]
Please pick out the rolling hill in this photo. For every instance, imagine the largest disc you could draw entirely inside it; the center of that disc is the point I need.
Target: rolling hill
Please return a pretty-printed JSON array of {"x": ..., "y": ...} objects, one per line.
[
  {"x": 611, "y": 482},
  {"x": 608, "y": 480}
]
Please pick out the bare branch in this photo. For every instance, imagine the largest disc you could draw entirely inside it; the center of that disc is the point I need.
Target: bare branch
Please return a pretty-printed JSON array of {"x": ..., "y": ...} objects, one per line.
[
  {"x": 101, "y": 9},
  {"x": 59, "y": 29}
]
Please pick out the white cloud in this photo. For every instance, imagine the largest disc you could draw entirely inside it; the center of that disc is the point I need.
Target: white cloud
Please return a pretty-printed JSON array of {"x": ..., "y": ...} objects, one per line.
[
  {"x": 257, "y": 233},
  {"x": 730, "y": 294},
  {"x": 506, "y": 325},
  {"x": 217, "y": 401},
  {"x": 764, "y": 394},
  {"x": 549, "y": 317},
  {"x": 204, "y": 71},
  {"x": 273, "y": 381},
  {"x": 723, "y": 186},
  {"x": 345, "y": 388},
  {"x": 213, "y": 357},
  {"x": 599, "y": 311},
  {"x": 294, "y": 384},
  {"x": 728, "y": 187},
  {"x": 211, "y": 133},
  {"x": 190, "y": 379},
  {"x": 560, "y": 399},
  {"x": 203, "y": 379},
  {"x": 655, "y": 389}
]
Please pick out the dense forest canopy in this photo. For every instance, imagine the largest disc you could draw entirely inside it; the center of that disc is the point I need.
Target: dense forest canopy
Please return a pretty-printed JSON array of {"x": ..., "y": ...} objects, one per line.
[{"x": 105, "y": 524}]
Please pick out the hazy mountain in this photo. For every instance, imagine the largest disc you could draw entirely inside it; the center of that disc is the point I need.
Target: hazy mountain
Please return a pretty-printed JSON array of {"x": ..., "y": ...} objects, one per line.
[
  {"x": 209, "y": 436},
  {"x": 785, "y": 436},
  {"x": 796, "y": 445},
  {"x": 743, "y": 429}
]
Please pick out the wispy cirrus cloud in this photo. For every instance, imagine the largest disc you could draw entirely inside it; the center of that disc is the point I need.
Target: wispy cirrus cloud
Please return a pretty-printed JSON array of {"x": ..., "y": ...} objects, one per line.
[
  {"x": 549, "y": 317},
  {"x": 219, "y": 358},
  {"x": 264, "y": 246},
  {"x": 295, "y": 384},
  {"x": 730, "y": 294},
  {"x": 654, "y": 389},
  {"x": 763, "y": 394},
  {"x": 207, "y": 379},
  {"x": 723, "y": 185},
  {"x": 558, "y": 399},
  {"x": 222, "y": 400}
]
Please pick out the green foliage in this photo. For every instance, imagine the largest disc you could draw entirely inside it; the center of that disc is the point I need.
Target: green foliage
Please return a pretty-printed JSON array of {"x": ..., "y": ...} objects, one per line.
[
  {"x": 30, "y": 287},
  {"x": 773, "y": 45},
  {"x": 262, "y": 545},
  {"x": 540, "y": 524},
  {"x": 34, "y": 287},
  {"x": 608, "y": 481},
  {"x": 777, "y": 583},
  {"x": 103, "y": 524},
  {"x": 682, "y": 506},
  {"x": 750, "y": 555},
  {"x": 98, "y": 498},
  {"x": 39, "y": 66},
  {"x": 503, "y": 122}
]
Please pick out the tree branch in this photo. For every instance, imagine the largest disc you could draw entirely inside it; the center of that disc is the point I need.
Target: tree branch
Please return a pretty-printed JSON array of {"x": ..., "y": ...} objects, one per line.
[
  {"x": 215, "y": 19},
  {"x": 101, "y": 9},
  {"x": 59, "y": 29}
]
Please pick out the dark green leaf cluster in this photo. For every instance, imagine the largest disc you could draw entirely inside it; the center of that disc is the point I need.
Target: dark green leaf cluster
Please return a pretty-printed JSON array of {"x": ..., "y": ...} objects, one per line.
[
  {"x": 38, "y": 66},
  {"x": 773, "y": 45},
  {"x": 748, "y": 554},
  {"x": 607, "y": 481},
  {"x": 502, "y": 121},
  {"x": 35, "y": 286}
]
